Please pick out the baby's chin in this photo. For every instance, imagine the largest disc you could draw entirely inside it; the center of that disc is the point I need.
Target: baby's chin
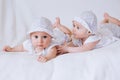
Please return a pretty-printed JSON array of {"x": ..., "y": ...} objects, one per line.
[
  {"x": 76, "y": 37},
  {"x": 39, "y": 47}
]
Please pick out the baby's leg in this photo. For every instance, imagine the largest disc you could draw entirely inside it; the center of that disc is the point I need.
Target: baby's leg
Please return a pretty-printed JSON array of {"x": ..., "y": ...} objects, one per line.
[
  {"x": 105, "y": 20},
  {"x": 110, "y": 19}
]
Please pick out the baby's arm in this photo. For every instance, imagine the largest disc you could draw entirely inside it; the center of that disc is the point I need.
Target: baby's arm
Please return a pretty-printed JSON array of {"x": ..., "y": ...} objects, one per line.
[
  {"x": 85, "y": 47},
  {"x": 52, "y": 54},
  {"x": 61, "y": 27},
  {"x": 18, "y": 48}
]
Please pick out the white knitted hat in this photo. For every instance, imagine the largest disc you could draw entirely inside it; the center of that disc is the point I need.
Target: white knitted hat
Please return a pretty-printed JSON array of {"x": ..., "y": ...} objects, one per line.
[
  {"x": 42, "y": 25},
  {"x": 89, "y": 20}
]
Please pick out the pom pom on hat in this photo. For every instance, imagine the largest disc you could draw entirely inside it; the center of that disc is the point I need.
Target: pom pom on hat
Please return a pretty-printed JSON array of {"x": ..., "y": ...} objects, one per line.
[
  {"x": 89, "y": 20},
  {"x": 43, "y": 25}
]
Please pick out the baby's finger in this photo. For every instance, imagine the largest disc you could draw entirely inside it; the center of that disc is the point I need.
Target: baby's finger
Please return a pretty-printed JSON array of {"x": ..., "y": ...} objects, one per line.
[
  {"x": 39, "y": 58},
  {"x": 42, "y": 59},
  {"x": 6, "y": 48},
  {"x": 60, "y": 51}
]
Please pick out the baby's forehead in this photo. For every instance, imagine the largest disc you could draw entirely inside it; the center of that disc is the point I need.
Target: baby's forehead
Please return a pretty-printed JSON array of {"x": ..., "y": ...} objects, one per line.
[
  {"x": 39, "y": 33},
  {"x": 76, "y": 22}
]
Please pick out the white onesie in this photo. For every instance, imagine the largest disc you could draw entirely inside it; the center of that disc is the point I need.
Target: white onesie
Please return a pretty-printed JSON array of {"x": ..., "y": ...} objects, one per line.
[{"x": 104, "y": 41}]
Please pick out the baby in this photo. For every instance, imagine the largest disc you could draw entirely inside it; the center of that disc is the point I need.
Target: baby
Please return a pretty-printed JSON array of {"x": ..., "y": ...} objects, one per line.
[
  {"x": 85, "y": 35},
  {"x": 39, "y": 41}
]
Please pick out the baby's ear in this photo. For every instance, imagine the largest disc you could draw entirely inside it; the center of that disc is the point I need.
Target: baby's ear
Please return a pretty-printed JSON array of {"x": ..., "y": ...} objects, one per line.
[{"x": 89, "y": 32}]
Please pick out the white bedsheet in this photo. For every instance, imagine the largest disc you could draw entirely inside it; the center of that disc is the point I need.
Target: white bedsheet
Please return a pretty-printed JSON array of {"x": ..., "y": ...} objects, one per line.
[{"x": 99, "y": 64}]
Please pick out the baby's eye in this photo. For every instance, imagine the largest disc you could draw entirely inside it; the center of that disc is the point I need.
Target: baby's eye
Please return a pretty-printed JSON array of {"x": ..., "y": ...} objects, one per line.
[
  {"x": 78, "y": 27},
  {"x": 44, "y": 36},
  {"x": 36, "y": 37}
]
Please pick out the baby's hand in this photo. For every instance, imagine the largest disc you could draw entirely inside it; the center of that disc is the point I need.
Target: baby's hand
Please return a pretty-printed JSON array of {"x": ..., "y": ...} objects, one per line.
[
  {"x": 57, "y": 22},
  {"x": 42, "y": 58},
  {"x": 62, "y": 49},
  {"x": 7, "y": 49}
]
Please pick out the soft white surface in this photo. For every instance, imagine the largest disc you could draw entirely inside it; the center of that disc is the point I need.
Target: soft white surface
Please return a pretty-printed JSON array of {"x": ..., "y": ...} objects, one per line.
[
  {"x": 24, "y": 67},
  {"x": 99, "y": 64}
]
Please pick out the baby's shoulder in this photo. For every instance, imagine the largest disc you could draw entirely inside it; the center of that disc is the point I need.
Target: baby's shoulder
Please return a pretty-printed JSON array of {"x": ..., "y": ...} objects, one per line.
[
  {"x": 92, "y": 39},
  {"x": 27, "y": 45},
  {"x": 26, "y": 40},
  {"x": 52, "y": 45}
]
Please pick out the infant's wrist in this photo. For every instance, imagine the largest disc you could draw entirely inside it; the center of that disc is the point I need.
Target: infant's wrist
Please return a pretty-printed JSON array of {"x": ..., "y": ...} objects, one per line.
[
  {"x": 67, "y": 49},
  {"x": 10, "y": 49},
  {"x": 59, "y": 25}
]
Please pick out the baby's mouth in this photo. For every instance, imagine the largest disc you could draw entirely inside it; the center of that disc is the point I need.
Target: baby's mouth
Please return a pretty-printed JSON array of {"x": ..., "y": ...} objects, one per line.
[{"x": 40, "y": 46}]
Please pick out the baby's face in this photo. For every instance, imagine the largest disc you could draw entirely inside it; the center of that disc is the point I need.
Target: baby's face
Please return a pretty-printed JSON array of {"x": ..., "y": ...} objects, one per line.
[
  {"x": 79, "y": 31},
  {"x": 40, "y": 40}
]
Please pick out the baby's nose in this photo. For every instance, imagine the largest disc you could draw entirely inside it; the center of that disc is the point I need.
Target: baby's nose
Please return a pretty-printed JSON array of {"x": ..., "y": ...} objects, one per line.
[{"x": 40, "y": 40}]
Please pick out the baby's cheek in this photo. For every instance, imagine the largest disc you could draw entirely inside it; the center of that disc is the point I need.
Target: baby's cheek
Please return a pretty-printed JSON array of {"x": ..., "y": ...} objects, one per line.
[
  {"x": 34, "y": 44},
  {"x": 47, "y": 43}
]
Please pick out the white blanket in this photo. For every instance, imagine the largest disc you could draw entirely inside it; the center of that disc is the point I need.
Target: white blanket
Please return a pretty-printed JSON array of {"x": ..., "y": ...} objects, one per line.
[{"x": 99, "y": 64}]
